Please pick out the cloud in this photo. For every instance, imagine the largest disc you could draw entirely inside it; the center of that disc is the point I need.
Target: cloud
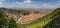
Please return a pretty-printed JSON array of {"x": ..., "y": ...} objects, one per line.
[
  {"x": 43, "y": 5},
  {"x": 46, "y": 5},
  {"x": 28, "y": 4},
  {"x": 2, "y": 0},
  {"x": 0, "y": 4},
  {"x": 57, "y": 5},
  {"x": 27, "y": 1}
]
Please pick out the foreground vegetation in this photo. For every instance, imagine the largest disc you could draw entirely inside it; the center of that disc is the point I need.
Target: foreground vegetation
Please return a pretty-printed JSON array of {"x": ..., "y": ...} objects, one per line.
[
  {"x": 54, "y": 23},
  {"x": 7, "y": 22}
]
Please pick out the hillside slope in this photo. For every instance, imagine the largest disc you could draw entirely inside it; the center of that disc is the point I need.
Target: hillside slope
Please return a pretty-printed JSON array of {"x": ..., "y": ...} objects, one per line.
[
  {"x": 55, "y": 23},
  {"x": 6, "y": 22},
  {"x": 43, "y": 21}
]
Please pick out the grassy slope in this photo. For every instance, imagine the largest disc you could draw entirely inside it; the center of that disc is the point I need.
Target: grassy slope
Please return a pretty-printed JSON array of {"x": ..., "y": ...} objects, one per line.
[
  {"x": 55, "y": 23},
  {"x": 42, "y": 22}
]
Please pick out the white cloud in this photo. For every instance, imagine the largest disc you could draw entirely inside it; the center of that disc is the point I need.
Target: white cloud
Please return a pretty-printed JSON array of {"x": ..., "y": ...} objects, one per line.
[
  {"x": 57, "y": 5},
  {"x": 45, "y": 4},
  {"x": 2, "y": 0},
  {"x": 28, "y": 4},
  {"x": 1, "y": 4},
  {"x": 27, "y": 1}
]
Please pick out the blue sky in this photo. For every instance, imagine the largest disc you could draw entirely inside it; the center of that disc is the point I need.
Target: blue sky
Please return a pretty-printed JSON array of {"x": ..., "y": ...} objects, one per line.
[{"x": 30, "y": 3}]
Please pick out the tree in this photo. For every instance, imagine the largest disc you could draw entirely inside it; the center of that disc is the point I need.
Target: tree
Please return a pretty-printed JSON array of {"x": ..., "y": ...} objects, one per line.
[
  {"x": 25, "y": 13},
  {"x": 3, "y": 20},
  {"x": 12, "y": 23},
  {"x": 6, "y": 23}
]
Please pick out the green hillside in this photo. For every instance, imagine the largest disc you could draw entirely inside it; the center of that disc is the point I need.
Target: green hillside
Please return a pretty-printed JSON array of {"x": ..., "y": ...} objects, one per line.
[
  {"x": 6, "y": 22},
  {"x": 41, "y": 23},
  {"x": 55, "y": 23}
]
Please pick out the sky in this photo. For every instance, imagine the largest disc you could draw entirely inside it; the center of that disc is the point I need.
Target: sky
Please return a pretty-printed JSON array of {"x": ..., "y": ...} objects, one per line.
[{"x": 30, "y": 3}]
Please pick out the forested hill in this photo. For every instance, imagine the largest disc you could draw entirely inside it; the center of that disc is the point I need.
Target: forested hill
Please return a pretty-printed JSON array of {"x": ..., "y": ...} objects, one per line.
[
  {"x": 6, "y": 22},
  {"x": 56, "y": 22}
]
